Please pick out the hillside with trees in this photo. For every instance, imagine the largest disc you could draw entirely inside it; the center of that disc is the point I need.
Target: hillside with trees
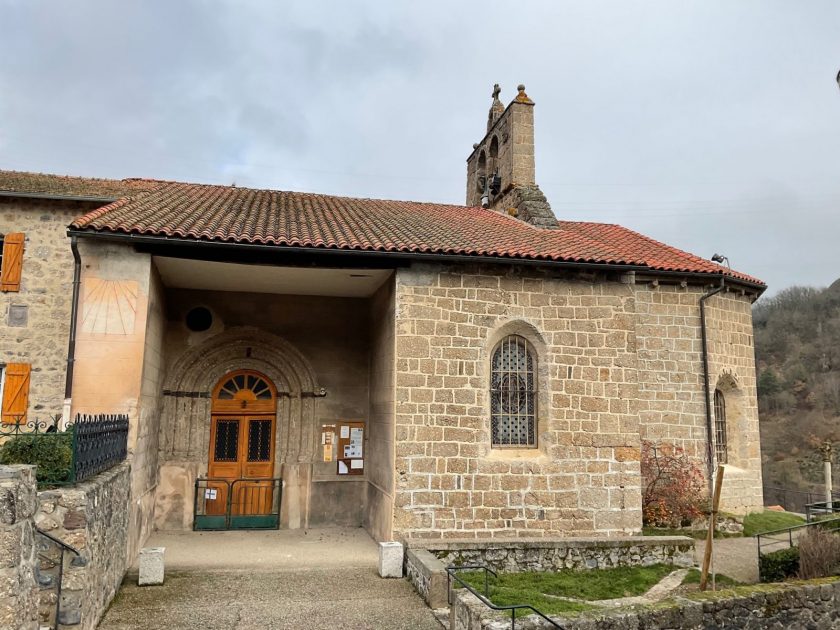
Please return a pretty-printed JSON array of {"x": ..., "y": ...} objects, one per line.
[{"x": 797, "y": 344}]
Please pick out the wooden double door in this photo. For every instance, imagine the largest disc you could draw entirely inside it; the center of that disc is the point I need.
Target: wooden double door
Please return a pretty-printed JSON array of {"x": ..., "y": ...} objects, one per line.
[{"x": 241, "y": 458}]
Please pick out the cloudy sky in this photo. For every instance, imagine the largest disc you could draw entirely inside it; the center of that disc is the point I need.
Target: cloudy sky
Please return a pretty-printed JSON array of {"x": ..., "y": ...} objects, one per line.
[{"x": 711, "y": 125}]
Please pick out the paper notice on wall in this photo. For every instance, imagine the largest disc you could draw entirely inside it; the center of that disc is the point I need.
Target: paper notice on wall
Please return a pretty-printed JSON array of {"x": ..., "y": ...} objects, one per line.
[
  {"x": 342, "y": 468},
  {"x": 357, "y": 464},
  {"x": 356, "y": 442},
  {"x": 328, "y": 452}
]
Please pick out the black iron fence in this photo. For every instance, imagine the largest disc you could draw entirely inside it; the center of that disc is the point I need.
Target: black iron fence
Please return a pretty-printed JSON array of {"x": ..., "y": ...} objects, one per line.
[{"x": 90, "y": 445}]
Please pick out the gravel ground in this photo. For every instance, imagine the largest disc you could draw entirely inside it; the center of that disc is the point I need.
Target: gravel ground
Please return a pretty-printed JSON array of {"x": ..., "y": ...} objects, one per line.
[
  {"x": 346, "y": 598},
  {"x": 324, "y": 578},
  {"x": 734, "y": 557}
]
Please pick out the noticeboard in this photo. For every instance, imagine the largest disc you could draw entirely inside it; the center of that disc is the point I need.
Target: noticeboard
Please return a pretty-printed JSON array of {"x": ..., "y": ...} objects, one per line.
[{"x": 349, "y": 451}]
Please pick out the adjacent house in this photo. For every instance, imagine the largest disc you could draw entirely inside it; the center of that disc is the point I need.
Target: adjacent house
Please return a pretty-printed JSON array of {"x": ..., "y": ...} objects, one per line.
[{"x": 419, "y": 369}]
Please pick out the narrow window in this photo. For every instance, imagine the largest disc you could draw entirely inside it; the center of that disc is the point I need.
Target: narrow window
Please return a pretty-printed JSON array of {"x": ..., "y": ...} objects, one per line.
[
  {"x": 513, "y": 394},
  {"x": 720, "y": 427}
]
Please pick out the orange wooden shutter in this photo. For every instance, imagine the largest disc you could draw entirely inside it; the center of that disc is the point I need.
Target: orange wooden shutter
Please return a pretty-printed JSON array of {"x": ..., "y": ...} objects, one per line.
[
  {"x": 12, "y": 262},
  {"x": 16, "y": 393}
]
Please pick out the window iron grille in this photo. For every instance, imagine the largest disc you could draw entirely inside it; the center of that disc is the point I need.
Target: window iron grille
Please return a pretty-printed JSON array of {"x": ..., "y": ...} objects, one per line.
[
  {"x": 513, "y": 394},
  {"x": 720, "y": 427}
]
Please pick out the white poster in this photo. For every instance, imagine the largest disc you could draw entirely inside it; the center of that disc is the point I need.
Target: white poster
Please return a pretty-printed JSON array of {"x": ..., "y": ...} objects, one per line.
[{"x": 342, "y": 468}]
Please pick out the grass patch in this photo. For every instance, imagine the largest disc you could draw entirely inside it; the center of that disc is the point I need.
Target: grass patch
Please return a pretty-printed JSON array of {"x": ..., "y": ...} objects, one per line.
[
  {"x": 543, "y": 590},
  {"x": 693, "y": 577},
  {"x": 768, "y": 521}
]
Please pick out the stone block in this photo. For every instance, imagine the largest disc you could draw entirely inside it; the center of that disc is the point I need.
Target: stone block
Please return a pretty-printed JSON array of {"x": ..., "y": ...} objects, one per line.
[
  {"x": 151, "y": 566},
  {"x": 390, "y": 560}
]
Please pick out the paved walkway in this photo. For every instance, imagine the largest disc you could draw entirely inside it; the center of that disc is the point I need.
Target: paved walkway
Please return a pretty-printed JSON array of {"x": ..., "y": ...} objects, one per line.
[
  {"x": 734, "y": 557},
  {"x": 269, "y": 580}
]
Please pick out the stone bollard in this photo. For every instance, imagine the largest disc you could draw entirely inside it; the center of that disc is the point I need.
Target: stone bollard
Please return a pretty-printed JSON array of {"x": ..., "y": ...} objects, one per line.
[
  {"x": 390, "y": 560},
  {"x": 151, "y": 566}
]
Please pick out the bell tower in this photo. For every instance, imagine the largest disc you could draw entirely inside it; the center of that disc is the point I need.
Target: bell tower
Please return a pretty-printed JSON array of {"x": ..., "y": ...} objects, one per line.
[{"x": 500, "y": 170}]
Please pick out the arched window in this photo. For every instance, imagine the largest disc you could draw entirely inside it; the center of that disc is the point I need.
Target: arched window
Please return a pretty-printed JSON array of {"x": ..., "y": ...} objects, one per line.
[
  {"x": 720, "y": 427},
  {"x": 513, "y": 395}
]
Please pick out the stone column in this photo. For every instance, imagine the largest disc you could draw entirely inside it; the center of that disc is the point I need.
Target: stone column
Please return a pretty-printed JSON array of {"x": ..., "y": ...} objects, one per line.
[
  {"x": 826, "y": 450},
  {"x": 18, "y": 589}
]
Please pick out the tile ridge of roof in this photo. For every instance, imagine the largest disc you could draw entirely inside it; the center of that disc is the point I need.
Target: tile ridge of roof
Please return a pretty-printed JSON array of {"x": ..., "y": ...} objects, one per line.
[{"x": 480, "y": 209}]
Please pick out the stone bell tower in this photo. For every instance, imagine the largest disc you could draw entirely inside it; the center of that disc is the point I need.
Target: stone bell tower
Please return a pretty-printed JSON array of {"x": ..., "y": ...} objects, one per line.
[{"x": 500, "y": 170}]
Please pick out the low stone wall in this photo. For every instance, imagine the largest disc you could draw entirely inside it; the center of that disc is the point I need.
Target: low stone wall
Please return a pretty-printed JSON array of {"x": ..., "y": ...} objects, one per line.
[
  {"x": 18, "y": 588},
  {"x": 425, "y": 562},
  {"x": 803, "y": 605},
  {"x": 428, "y": 575},
  {"x": 93, "y": 517},
  {"x": 566, "y": 553}
]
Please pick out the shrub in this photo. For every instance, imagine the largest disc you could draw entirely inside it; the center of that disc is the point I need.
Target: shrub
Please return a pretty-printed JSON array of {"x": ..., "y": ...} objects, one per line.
[
  {"x": 51, "y": 453},
  {"x": 777, "y": 566},
  {"x": 819, "y": 553},
  {"x": 673, "y": 489}
]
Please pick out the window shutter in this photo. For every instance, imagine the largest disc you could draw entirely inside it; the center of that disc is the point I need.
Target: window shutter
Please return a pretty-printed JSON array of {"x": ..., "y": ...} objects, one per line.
[
  {"x": 12, "y": 262},
  {"x": 16, "y": 393}
]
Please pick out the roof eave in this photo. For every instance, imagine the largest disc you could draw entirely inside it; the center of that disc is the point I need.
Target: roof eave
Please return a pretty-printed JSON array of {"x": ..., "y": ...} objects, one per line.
[{"x": 401, "y": 256}]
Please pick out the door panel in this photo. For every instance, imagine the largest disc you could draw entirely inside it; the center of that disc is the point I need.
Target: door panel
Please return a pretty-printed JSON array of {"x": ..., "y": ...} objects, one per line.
[{"x": 242, "y": 447}]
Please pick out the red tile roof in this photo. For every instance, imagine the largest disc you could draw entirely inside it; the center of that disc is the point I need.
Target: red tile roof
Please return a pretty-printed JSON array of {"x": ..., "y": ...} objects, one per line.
[
  {"x": 65, "y": 185},
  {"x": 290, "y": 219}
]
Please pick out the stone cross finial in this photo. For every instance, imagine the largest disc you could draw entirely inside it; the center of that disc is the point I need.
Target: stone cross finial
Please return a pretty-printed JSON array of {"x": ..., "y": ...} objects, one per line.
[{"x": 496, "y": 109}]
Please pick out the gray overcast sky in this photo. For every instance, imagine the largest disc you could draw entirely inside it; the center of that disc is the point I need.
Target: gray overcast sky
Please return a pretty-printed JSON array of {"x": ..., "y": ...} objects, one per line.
[{"x": 711, "y": 125}]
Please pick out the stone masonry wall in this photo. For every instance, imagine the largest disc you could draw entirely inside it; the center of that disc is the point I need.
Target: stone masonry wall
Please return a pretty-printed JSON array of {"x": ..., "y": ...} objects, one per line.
[
  {"x": 93, "y": 517},
  {"x": 583, "y": 478},
  {"x": 35, "y": 321},
  {"x": 671, "y": 407},
  {"x": 810, "y": 605},
  {"x": 18, "y": 588}
]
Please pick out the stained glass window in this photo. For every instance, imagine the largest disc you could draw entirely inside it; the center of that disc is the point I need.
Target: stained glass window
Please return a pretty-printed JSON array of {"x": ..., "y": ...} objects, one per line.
[
  {"x": 513, "y": 400},
  {"x": 720, "y": 427}
]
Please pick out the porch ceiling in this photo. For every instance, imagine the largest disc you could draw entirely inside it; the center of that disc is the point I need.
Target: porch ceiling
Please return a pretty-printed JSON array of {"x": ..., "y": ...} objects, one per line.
[{"x": 182, "y": 273}]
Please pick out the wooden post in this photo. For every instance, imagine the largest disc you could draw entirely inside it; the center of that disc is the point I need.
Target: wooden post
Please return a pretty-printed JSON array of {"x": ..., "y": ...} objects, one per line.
[{"x": 710, "y": 536}]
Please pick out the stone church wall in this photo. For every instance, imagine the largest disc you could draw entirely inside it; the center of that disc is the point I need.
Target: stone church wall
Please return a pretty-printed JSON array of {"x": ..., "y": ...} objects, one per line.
[
  {"x": 671, "y": 407},
  {"x": 583, "y": 478}
]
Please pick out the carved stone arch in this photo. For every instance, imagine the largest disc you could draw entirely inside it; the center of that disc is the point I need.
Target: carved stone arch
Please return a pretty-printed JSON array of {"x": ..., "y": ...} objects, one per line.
[{"x": 185, "y": 429}]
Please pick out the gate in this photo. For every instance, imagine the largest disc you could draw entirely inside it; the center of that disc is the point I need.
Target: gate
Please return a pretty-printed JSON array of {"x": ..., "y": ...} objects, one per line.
[{"x": 222, "y": 504}]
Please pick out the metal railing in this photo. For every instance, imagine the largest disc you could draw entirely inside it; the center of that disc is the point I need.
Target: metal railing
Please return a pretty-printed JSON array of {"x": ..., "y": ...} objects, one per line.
[
  {"x": 91, "y": 444},
  {"x": 485, "y": 597},
  {"x": 793, "y": 500},
  {"x": 789, "y": 534},
  {"x": 48, "y": 564},
  {"x": 222, "y": 504},
  {"x": 816, "y": 510}
]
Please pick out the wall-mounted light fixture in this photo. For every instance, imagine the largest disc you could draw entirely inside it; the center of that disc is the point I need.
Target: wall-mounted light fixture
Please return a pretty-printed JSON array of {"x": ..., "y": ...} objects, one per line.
[{"x": 720, "y": 259}]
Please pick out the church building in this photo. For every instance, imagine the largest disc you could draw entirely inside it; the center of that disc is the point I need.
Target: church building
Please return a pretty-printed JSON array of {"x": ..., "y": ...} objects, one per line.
[{"x": 421, "y": 370}]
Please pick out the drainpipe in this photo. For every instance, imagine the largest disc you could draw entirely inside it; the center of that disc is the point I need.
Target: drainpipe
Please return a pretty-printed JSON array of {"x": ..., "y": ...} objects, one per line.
[
  {"x": 705, "y": 350},
  {"x": 74, "y": 315}
]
